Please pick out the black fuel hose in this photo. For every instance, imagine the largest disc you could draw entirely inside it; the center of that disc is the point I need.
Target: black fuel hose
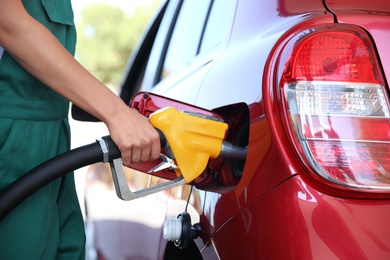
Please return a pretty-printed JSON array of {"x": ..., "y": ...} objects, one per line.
[
  {"x": 51, "y": 170},
  {"x": 60, "y": 165}
]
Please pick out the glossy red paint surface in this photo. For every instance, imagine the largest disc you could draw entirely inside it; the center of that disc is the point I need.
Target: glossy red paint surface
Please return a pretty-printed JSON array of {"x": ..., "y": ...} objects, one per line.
[
  {"x": 378, "y": 7},
  {"x": 274, "y": 213},
  {"x": 295, "y": 221}
]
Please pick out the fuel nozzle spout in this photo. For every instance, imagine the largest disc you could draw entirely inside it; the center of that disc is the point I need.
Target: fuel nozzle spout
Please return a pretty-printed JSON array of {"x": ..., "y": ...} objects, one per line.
[{"x": 233, "y": 151}]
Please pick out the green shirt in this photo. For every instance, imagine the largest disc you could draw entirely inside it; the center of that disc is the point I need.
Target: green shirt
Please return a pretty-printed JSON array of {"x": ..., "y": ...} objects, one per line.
[{"x": 34, "y": 128}]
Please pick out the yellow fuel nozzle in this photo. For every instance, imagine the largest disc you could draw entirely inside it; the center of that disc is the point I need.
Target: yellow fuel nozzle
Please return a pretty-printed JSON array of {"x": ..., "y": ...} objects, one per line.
[{"x": 192, "y": 139}]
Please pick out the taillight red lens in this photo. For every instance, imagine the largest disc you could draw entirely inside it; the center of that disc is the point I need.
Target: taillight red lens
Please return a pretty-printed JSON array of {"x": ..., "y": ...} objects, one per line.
[
  {"x": 335, "y": 56},
  {"x": 337, "y": 107}
]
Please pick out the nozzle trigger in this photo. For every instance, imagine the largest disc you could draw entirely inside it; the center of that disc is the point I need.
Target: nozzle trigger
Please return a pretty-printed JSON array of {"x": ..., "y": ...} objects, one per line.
[{"x": 166, "y": 163}]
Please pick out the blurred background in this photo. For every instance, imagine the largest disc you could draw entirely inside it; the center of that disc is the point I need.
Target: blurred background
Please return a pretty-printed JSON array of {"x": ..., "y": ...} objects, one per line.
[{"x": 108, "y": 31}]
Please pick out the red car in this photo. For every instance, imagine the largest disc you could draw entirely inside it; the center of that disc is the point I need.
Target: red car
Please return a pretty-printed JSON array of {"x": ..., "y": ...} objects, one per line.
[{"x": 303, "y": 85}]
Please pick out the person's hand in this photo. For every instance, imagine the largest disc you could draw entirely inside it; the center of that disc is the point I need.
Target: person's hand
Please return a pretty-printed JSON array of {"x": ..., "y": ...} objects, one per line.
[{"x": 135, "y": 137}]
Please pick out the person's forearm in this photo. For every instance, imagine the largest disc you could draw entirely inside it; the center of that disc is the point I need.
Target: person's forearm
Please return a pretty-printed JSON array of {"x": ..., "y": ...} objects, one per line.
[{"x": 39, "y": 52}]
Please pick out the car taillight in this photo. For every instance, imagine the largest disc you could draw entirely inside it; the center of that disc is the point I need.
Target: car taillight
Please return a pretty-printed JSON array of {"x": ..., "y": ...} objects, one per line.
[{"x": 336, "y": 106}]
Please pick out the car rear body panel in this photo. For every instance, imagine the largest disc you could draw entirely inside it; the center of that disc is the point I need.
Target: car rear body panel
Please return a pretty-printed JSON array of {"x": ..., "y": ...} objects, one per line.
[
  {"x": 310, "y": 223},
  {"x": 295, "y": 221},
  {"x": 275, "y": 210}
]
